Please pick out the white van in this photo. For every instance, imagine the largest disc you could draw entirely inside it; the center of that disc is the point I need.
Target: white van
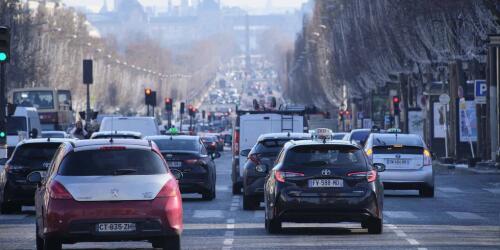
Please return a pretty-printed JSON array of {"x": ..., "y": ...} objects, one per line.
[
  {"x": 249, "y": 125},
  {"x": 24, "y": 124},
  {"x": 147, "y": 126}
]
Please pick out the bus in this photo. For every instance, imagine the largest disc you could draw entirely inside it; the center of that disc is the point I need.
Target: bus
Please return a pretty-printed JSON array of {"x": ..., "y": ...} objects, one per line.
[{"x": 54, "y": 105}]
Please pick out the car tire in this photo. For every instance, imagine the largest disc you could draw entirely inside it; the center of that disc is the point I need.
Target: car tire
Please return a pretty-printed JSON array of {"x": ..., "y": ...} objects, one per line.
[
  {"x": 250, "y": 202},
  {"x": 170, "y": 243},
  {"x": 427, "y": 192},
  {"x": 375, "y": 226},
  {"x": 39, "y": 240},
  {"x": 208, "y": 195},
  {"x": 52, "y": 244},
  {"x": 236, "y": 189},
  {"x": 273, "y": 226}
]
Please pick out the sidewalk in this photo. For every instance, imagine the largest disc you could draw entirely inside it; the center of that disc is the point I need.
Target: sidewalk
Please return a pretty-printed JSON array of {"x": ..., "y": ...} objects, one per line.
[{"x": 480, "y": 168}]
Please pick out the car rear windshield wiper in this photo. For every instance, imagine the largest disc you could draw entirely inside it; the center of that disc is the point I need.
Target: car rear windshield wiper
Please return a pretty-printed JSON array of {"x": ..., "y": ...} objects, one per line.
[{"x": 124, "y": 171}]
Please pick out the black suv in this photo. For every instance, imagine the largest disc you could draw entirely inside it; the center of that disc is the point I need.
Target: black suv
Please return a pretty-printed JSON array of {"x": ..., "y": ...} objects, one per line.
[
  {"x": 323, "y": 182},
  {"x": 29, "y": 156},
  {"x": 264, "y": 151},
  {"x": 188, "y": 154}
]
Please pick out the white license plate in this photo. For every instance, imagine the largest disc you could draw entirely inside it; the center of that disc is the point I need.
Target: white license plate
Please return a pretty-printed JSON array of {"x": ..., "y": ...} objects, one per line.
[
  {"x": 398, "y": 161},
  {"x": 115, "y": 227},
  {"x": 174, "y": 164},
  {"x": 326, "y": 183}
]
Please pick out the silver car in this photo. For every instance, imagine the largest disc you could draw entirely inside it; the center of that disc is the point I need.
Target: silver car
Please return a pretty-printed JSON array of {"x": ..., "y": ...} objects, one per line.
[{"x": 407, "y": 159}]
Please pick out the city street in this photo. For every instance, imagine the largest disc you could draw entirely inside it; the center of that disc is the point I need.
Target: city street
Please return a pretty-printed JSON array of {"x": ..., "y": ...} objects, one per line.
[{"x": 463, "y": 215}]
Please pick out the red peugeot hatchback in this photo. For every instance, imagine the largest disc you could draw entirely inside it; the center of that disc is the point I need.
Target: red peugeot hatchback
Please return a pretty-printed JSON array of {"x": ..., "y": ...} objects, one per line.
[{"x": 108, "y": 190}]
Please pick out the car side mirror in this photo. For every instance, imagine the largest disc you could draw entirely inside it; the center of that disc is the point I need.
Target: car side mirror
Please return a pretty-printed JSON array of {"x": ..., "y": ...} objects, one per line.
[
  {"x": 379, "y": 167},
  {"x": 34, "y": 133},
  {"x": 177, "y": 174},
  {"x": 35, "y": 178},
  {"x": 245, "y": 152},
  {"x": 215, "y": 155}
]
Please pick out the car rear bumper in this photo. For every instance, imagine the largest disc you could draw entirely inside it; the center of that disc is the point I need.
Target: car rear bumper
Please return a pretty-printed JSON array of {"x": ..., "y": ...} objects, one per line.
[
  {"x": 195, "y": 185},
  {"x": 328, "y": 209},
  {"x": 74, "y": 221},
  {"x": 254, "y": 186},
  {"x": 394, "y": 179},
  {"x": 20, "y": 193}
]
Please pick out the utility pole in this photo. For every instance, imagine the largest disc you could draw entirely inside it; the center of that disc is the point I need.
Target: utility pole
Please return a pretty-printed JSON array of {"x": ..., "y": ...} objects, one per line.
[
  {"x": 88, "y": 78},
  {"x": 494, "y": 92}
]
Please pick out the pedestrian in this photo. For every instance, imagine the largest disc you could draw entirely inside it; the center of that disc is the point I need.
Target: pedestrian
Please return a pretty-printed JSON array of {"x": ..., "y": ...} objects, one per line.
[{"x": 78, "y": 131}]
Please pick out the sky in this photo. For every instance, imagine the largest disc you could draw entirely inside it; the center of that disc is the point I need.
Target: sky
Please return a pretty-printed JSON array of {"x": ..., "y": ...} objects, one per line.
[{"x": 246, "y": 4}]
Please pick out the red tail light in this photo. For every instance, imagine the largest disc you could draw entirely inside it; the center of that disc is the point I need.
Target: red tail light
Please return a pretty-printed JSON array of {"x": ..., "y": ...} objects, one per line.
[
  {"x": 59, "y": 192},
  {"x": 191, "y": 161},
  {"x": 282, "y": 175},
  {"x": 371, "y": 175},
  {"x": 170, "y": 189},
  {"x": 254, "y": 158},
  {"x": 236, "y": 141}
]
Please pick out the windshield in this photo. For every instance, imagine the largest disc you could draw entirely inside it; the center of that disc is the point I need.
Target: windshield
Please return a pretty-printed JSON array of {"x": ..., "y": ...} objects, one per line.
[
  {"x": 64, "y": 97},
  {"x": 34, "y": 152},
  {"x": 324, "y": 155},
  {"x": 177, "y": 145},
  {"x": 405, "y": 140},
  {"x": 16, "y": 124},
  {"x": 112, "y": 162},
  {"x": 52, "y": 135},
  {"x": 38, "y": 99},
  {"x": 270, "y": 147}
]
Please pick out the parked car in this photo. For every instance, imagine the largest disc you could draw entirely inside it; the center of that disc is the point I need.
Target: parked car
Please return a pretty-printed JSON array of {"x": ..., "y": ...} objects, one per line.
[
  {"x": 323, "y": 182},
  {"x": 407, "y": 159},
  {"x": 29, "y": 156},
  {"x": 116, "y": 134},
  {"x": 265, "y": 150},
  {"x": 188, "y": 155},
  {"x": 108, "y": 190},
  {"x": 147, "y": 126}
]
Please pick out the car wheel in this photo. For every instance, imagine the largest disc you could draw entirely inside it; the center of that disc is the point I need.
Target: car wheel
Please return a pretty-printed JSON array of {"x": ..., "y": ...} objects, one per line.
[
  {"x": 273, "y": 226},
  {"x": 52, "y": 244},
  {"x": 236, "y": 189},
  {"x": 250, "y": 202},
  {"x": 39, "y": 240},
  {"x": 375, "y": 226},
  {"x": 170, "y": 243},
  {"x": 427, "y": 192},
  {"x": 208, "y": 195}
]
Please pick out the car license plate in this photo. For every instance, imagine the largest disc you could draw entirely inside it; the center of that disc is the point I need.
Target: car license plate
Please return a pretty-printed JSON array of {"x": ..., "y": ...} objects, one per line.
[
  {"x": 115, "y": 227},
  {"x": 398, "y": 161},
  {"x": 326, "y": 183},
  {"x": 174, "y": 164}
]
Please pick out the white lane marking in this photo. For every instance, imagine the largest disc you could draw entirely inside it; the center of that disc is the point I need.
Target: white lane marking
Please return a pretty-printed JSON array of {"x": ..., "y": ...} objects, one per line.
[
  {"x": 421, "y": 248},
  {"x": 226, "y": 248},
  {"x": 400, "y": 233},
  {"x": 465, "y": 216},
  {"x": 13, "y": 217},
  {"x": 228, "y": 241},
  {"x": 400, "y": 215},
  {"x": 208, "y": 214},
  {"x": 413, "y": 242},
  {"x": 230, "y": 226},
  {"x": 450, "y": 190},
  {"x": 492, "y": 190}
]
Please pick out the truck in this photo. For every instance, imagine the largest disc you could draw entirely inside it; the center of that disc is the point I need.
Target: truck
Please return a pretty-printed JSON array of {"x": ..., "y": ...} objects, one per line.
[
  {"x": 249, "y": 125},
  {"x": 23, "y": 124}
]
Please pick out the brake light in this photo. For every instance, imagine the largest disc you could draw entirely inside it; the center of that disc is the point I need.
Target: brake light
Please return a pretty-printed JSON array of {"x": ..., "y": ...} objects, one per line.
[
  {"x": 282, "y": 175},
  {"x": 427, "y": 158},
  {"x": 371, "y": 175},
  {"x": 191, "y": 161},
  {"x": 59, "y": 192},
  {"x": 170, "y": 189},
  {"x": 112, "y": 148},
  {"x": 236, "y": 141},
  {"x": 254, "y": 158}
]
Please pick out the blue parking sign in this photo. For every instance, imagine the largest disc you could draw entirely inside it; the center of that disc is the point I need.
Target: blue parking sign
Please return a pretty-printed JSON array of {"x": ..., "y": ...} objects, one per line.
[{"x": 480, "y": 91}]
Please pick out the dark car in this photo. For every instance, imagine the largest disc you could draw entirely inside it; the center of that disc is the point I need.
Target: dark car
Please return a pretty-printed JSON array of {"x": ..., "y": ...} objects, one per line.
[
  {"x": 265, "y": 151},
  {"x": 210, "y": 143},
  {"x": 188, "y": 155},
  {"x": 358, "y": 135},
  {"x": 323, "y": 182},
  {"x": 29, "y": 156}
]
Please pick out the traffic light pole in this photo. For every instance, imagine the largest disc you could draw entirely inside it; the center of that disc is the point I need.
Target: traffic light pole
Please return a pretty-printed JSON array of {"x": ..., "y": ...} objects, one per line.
[
  {"x": 3, "y": 104},
  {"x": 87, "y": 111}
]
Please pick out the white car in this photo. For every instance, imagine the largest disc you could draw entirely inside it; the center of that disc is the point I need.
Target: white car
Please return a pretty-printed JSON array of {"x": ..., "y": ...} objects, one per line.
[
  {"x": 407, "y": 159},
  {"x": 147, "y": 126}
]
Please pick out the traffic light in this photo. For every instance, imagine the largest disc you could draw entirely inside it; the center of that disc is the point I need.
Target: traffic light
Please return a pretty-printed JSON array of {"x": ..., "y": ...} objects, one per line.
[
  {"x": 203, "y": 114},
  {"x": 168, "y": 104},
  {"x": 191, "y": 110},
  {"x": 4, "y": 44},
  {"x": 150, "y": 97},
  {"x": 182, "y": 108},
  {"x": 395, "y": 102}
]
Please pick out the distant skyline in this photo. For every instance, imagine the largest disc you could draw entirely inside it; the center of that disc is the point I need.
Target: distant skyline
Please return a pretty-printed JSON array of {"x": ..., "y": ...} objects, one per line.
[{"x": 278, "y": 5}]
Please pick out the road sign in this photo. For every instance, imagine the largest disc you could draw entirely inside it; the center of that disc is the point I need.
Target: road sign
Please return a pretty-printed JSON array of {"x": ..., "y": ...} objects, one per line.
[
  {"x": 444, "y": 99},
  {"x": 480, "y": 91}
]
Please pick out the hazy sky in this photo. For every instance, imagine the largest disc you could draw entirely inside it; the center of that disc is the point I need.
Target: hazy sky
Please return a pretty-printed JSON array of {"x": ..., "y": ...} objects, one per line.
[{"x": 247, "y": 4}]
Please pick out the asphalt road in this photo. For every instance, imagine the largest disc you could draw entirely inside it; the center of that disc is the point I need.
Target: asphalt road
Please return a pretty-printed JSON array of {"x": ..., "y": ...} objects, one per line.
[{"x": 465, "y": 214}]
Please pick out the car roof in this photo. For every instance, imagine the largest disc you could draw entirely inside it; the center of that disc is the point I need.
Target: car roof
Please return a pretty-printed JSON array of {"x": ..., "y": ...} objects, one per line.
[
  {"x": 46, "y": 140},
  {"x": 128, "y": 118},
  {"x": 283, "y": 136},
  {"x": 292, "y": 144},
  {"x": 117, "y": 132},
  {"x": 111, "y": 142},
  {"x": 361, "y": 130},
  {"x": 53, "y": 132},
  {"x": 391, "y": 135},
  {"x": 172, "y": 137}
]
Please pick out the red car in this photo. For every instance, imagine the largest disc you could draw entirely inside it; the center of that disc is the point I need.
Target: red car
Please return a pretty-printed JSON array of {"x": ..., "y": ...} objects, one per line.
[{"x": 108, "y": 190}]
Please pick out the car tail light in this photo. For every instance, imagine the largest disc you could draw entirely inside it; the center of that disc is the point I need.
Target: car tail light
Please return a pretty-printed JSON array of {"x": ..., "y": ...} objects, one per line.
[
  {"x": 58, "y": 191},
  {"x": 112, "y": 148},
  {"x": 281, "y": 176},
  {"x": 170, "y": 189},
  {"x": 236, "y": 141},
  {"x": 191, "y": 161},
  {"x": 254, "y": 158},
  {"x": 371, "y": 175},
  {"x": 427, "y": 158}
]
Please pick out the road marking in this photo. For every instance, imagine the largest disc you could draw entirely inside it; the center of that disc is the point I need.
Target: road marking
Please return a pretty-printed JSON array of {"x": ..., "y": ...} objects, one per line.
[
  {"x": 230, "y": 226},
  {"x": 413, "y": 242},
  {"x": 222, "y": 188},
  {"x": 228, "y": 241},
  {"x": 465, "y": 216},
  {"x": 400, "y": 215},
  {"x": 450, "y": 190},
  {"x": 400, "y": 233},
  {"x": 202, "y": 214},
  {"x": 492, "y": 190}
]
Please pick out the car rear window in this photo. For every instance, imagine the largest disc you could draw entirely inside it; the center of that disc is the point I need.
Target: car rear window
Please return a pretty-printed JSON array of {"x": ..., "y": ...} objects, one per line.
[
  {"x": 270, "y": 146},
  {"x": 324, "y": 155},
  {"x": 208, "y": 139},
  {"x": 404, "y": 140},
  {"x": 112, "y": 162},
  {"x": 360, "y": 136},
  {"x": 15, "y": 124},
  {"x": 34, "y": 152},
  {"x": 177, "y": 145}
]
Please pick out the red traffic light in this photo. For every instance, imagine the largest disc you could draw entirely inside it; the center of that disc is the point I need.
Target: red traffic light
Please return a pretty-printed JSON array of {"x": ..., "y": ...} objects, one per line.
[
  {"x": 395, "y": 99},
  {"x": 168, "y": 100},
  {"x": 346, "y": 112},
  {"x": 147, "y": 91}
]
